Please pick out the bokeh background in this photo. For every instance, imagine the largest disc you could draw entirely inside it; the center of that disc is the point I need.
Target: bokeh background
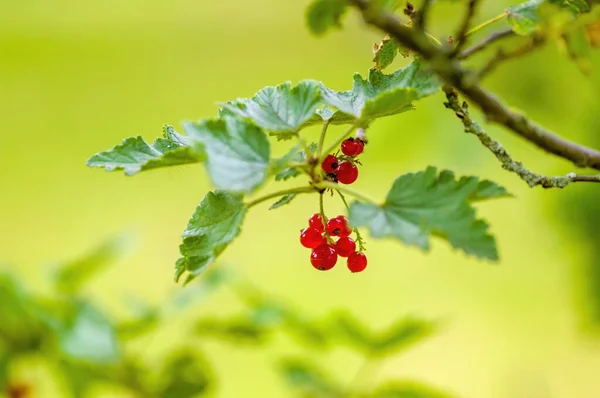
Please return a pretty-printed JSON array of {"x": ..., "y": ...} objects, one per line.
[{"x": 76, "y": 77}]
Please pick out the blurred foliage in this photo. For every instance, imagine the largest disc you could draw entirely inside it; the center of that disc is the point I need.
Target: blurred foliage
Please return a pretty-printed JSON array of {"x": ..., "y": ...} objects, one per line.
[{"x": 90, "y": 347}]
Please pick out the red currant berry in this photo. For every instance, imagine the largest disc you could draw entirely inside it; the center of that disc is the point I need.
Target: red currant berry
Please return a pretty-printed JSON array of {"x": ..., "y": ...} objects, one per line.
[
  {"x": 345, "y": 246},
  {"x": 311, "y": 238},
  {"x": 357, "y": 262},
  {"x": 338, "y": 226},
  {"x": 352, "y": 147},
  {"x": 347, "y": 173},
  {"x": 323, "y": 257},
  {"x": 315, "y": 221},
  {"x": 330, "y": 164}
]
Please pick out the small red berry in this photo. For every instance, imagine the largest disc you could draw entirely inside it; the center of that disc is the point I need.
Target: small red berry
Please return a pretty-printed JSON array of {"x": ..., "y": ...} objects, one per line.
[
  {"x": 357, "y": 262},
  {"x": 345, "y": 246},
  {"x": 338, "y": 226},
  {"x": 315, "y": 221},
  {"x": 323, "y": 257},
  {"x": 352, "y": 147},
  {"x": 330, "y": 164},
  {"x": 347, "y": 173},
  {"x": 311, "y": 238}
]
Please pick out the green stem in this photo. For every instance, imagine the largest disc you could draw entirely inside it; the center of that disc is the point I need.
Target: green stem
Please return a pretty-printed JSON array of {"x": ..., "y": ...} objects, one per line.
[
  {"x": 337, "y": 143},
  {"x": 359, "y": 239},
  {"x": 433, "y": 39},
  {"x": 322, "y": 138},
  {"x": 344, "y": 189},
  {"x": 296, "y": 190},
  {"x": 323, "y": 219},
  {"x": 486, "y": 23}
]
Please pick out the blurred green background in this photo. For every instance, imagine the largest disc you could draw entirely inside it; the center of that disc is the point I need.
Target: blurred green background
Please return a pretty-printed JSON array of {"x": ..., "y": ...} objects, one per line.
[{"x": 76, "y": 77}]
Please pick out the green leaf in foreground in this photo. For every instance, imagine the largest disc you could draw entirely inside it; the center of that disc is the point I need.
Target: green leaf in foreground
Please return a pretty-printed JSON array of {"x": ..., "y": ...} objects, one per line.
[
  {"x": 281, "y": 110},
  {"x": 427, "y": 203},
  {"x": 408, "y": 389},
  {"x": 281, "y": 167},
  {"x": 238, "y": 152},
  {"x": 402, "y": 334},
  {"x": 322, "y": 15},
  {"x": 214, "y": 225},
  {"x": 134, "y": 154},
  {"x": 381, "y": 95}
]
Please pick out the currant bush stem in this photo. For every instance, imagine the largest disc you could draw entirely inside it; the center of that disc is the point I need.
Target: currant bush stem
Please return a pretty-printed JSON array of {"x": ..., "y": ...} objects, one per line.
[
  {"x": 322, "y": 138},
  {"x": 486, "y": 23},
  {"x": 323, "y": 219},
  {"x": 359, "y": 239},
  {"x": 344, "y": 189},
  {"x": 337, "y": 143},
  {"x": 283, "y": 192}
]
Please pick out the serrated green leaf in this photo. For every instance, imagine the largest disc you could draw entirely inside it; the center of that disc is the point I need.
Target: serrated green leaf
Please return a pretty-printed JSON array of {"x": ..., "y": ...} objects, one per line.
[
  {"x": 281, "y": 110},
  {"x": 488, "y": 190},
  {"x": 524, "y": 17},
  {"x": 91, "y": 337},
  {"x": 238, "y": 152},
  {"x": 214, "y": 225},
  {"x": 402, "y": 334},
  {"x": 381, "y": 95},
  {"x": 284, "y": 200},
  {"x": 135, "y": 155},
  {"x": 423, "y": 204},
  {"x": 322, "y": 15},
  {"x": 408, "y": 389},
  {"x": 385, "y": 53}
]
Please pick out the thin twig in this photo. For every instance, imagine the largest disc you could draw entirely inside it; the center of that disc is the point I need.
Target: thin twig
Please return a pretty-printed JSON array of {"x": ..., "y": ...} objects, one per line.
[
  {"x": 461, "y": 35},
  {"x": 359, "y": 239},
  {"x": 532, "y": 179},
  {"x": 466, "y": 82},
  {"x": 296, "y": 190},
  {"x": 482, "y": 45},
  {"x": 503, "y": 55},
  {"x": 423, "y": 14}
]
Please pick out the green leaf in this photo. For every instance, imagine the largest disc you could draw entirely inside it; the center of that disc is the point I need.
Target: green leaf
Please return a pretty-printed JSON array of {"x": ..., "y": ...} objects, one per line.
[
  {"x": 402, "y": 334},
  {"x": 281, "y": 167},
  {"x": 525, "y": 18},
  {"x": 214, "y": 225},
  {"x": 185, "y": 376},
  {"x": 579, "y": 48},
  {"x": 281, "y": 110},
  {"x": 91, "y": 337},
  {"x": 236, "y": 330},
  {"x": 385, "y": 53},
  {"x": 284, "y": 200},
  {"x": 71, "y": 276},
  {"x": 381, "y": 95},
  {"x": 423, "y": 204},
  {"x": 238, "y": 152},
  {"x": 408, "y": 389},
  {"x": 488, "y": 190},
  {"x": 135, "y": 155},
  {"x": 322, "y": 15},
  {"x": 307, "y": 380}
]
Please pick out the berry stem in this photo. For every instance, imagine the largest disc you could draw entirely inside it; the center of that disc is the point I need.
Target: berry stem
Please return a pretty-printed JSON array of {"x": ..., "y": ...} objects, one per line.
[
  {"x": 296, "y": 190},
  {"x": 333, "y": 147},
  {"x": 345, "y": 189},
  {"x": 322, "y": 139},
  {"x": 359, "y": 239},
  {"x": 323, "y": 219}
]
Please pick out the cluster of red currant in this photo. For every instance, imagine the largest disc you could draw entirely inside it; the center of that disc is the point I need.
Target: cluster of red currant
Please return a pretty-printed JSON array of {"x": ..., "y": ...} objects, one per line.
[
  {"x": 342, "y": 168},
  {"x": 319, "y": 237}
]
